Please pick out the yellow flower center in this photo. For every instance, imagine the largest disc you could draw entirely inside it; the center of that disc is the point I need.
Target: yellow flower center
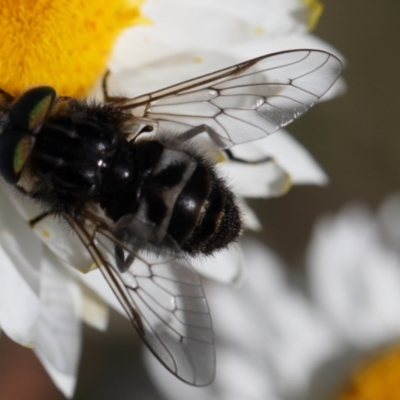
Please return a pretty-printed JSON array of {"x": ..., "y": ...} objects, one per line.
[
  {"x": 61, "y": 43},
  {"x": 378, "y": 379}
]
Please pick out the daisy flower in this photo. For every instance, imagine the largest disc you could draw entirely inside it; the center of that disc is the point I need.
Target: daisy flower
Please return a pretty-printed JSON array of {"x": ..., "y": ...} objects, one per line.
[
  {"x": 336, "y": 340},
  {"x": 66, "y": 45}
]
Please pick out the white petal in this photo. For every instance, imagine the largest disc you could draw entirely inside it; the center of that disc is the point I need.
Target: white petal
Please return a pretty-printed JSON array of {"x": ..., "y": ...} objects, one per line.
[
  {"x": 19, "y": 242},
  {"x": 65, "y": 382},
  {"x": 95, "y": 281},
  {"x": 212, "y": 25},
  {"x": 20, "y": 254},
  {"x": 58, "y": 237},
  {"x": 267, "y": 179},
  {"x": 289, "y": 154},
  {"x": 94, "y": 310},
  {"x": 249, "y": 217},
  {"x": 19, "y": 305},
  {"x": 204, "y": 38},
  {"x": 193, "y": 28},
  {"x": 167, "y": 71},
  {"x": 58, "y": 334},
  {"x": 275, "y": 17}
]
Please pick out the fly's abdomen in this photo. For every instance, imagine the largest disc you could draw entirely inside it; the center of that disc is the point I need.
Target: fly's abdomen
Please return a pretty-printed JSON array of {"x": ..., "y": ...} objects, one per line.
[
  {"x": 186, "y": 199},
  {"x": 176, "y": 193},
  {"x": 205, "y": 217}
]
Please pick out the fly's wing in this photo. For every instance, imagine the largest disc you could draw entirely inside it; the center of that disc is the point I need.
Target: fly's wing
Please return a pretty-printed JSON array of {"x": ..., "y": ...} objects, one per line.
[
  {"x": 242, "y": 103},
  {"x": 163, "y": 297}
]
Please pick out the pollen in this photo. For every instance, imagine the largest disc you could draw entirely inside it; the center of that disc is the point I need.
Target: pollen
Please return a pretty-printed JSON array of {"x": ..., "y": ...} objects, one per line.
[
  {"x": 220, "y": 157},
  {"x": 378, "y": 378},
  {"x": 259, "y": 30},
  {"x": 46, "y": 234},
  {"x": 64, "y": 44},
  {"x": 92, "y": 267},
  {"x": 197, "y": 60}
]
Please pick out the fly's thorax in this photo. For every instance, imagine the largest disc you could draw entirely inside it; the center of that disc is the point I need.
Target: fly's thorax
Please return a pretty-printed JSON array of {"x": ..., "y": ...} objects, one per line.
[{"x": 72, "y": 154}]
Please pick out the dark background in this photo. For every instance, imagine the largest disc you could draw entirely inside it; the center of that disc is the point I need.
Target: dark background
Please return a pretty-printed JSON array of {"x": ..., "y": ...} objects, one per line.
[{"x": 355, "y": 138}]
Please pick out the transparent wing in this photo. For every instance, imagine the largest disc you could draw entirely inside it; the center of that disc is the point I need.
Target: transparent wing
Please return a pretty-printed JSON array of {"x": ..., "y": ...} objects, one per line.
[
  {"x": 242, "y": 103},
  {"x": 163, "y": 297}
]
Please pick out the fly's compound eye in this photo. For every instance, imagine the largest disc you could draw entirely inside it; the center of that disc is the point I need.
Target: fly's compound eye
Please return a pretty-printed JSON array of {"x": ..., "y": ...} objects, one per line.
[
  {"x": 30, "y": 110},
  {"x": 27, "y": 116},
  {"x": 15, "y": 147}
]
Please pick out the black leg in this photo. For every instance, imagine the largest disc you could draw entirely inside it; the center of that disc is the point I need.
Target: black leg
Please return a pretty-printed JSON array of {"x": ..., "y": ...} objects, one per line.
[
  {"x": 37, "y": 219},
  {"x": 107, "y": 97},
  {"x": 196, "y": 130},
  {"x": 123, "y": 263},
  {"x": 192, "y": 133},
  {"x": 249, "y": 162}
]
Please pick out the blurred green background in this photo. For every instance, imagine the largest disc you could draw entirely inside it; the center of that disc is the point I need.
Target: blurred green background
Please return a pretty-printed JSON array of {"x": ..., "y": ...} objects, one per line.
[{"x": 355, "y": 139}]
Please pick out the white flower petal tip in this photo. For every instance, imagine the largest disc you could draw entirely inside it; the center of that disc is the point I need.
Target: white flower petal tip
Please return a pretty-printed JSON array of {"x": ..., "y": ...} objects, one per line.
[
  {"x": 249, "y": 217},
  {"x": 295, "y": 159},
  {"x": 227, "y": 266},
  {"x": 290, "y": 163},
  {"x": 282, "y": 185},
  {"x": 266, "y": 179},
  {"x": 66, "y": 383}
]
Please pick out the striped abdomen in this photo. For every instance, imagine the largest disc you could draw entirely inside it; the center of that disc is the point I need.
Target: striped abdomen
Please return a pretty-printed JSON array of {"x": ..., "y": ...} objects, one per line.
[{"x": 182, "y": 196}]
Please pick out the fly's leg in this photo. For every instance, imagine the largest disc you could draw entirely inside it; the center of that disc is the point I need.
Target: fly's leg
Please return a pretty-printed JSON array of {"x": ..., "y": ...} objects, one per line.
[
  {"x": 192, "y": 133},
  {"x": 123, "y": 263},
  {"x": 197, "y": 130},
  {"x": 232, "y": 157},
  {"x": 40, "y": 217},
  {"x": 107, "y": 97}
]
